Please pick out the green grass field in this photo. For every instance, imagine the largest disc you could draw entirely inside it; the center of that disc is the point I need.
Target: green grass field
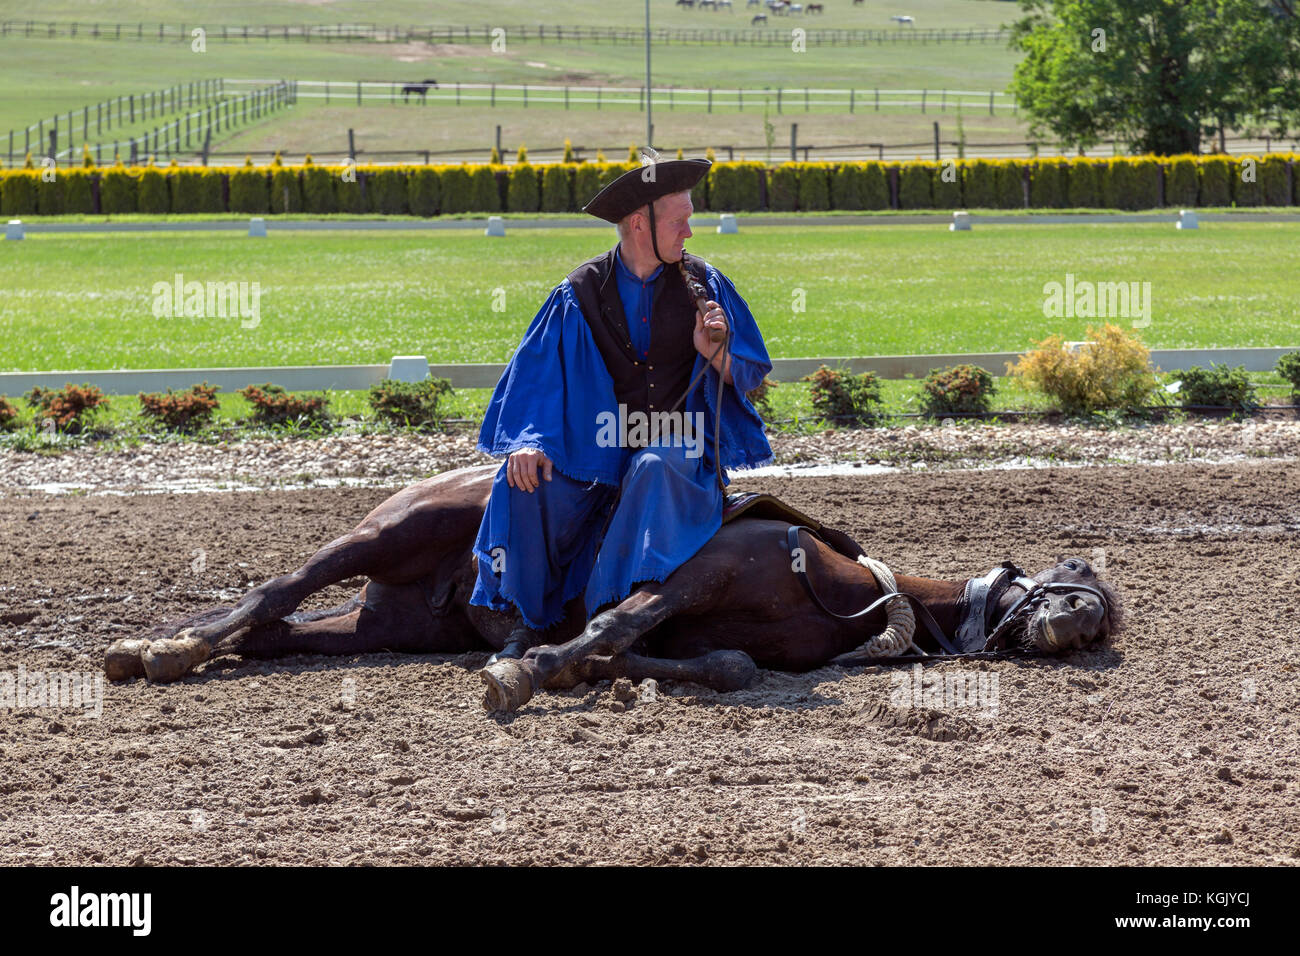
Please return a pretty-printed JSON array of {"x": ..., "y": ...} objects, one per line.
[
  {"x": 85, "y": 301},
  {"x": 44, "y": 76}
]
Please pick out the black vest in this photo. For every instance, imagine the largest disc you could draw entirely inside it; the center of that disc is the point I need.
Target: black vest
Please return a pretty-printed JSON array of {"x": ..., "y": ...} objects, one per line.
[{"x": 656, "y": 383}]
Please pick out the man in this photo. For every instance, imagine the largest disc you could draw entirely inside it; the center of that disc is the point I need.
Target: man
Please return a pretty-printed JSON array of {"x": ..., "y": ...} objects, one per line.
[{"x": 583, "y": 504}]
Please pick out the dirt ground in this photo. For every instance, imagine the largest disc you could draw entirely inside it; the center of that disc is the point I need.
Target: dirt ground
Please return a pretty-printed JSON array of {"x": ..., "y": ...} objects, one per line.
[{"x": 1177, "y": 745}]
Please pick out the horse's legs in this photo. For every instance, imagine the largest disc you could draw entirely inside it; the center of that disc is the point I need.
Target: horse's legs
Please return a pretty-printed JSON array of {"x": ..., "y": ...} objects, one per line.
[
  {"x": 721, "y": 670},
  {"x": 124, "y": 659},
  {"x": 510, "y": 683},
  {"x": 353, "y": 554}
]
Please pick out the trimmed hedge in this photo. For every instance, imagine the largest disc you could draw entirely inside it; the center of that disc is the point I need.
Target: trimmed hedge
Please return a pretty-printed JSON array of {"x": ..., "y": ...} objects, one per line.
[
  {"x": 738, "y": 187},
  {"x": 914, "y": 186},
  {"x": 1130, "y": 182},
  {"x": 153, "y": 195}
]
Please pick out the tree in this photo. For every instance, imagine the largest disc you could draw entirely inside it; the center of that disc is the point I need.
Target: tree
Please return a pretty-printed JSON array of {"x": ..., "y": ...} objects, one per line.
[{"x": 1157, "y": 75}]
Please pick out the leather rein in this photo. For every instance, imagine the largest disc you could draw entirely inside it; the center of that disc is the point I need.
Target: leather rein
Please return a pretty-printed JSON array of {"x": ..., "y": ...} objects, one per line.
[{"x": 977, "y": 599}]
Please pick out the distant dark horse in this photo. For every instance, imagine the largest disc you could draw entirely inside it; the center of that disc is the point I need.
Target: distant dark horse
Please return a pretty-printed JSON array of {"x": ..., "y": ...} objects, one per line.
[{"x": 420, "y": 89}]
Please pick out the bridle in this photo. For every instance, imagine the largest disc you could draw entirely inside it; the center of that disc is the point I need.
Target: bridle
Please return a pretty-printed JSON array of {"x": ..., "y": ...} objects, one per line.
[{"x": 979, "y": 602}]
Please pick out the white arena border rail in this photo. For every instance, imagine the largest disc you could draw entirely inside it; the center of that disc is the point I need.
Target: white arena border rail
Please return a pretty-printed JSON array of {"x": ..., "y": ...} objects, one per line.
[{"x": 485, "y": 375}]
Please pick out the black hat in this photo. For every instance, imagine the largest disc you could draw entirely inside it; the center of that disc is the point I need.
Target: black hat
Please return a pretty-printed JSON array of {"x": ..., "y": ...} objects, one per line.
[{"x": 638, "y": 187}]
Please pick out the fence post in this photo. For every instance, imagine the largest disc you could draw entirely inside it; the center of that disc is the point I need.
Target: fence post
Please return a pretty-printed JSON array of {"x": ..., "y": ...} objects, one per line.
[
  {"x": 851, "y": 100},
  {"x": 710, "y": 99},
  {"x": 936, "y": 141},
  {"x": 358, "y": 92},
  {"x": 877, "y": 101},
  {"x": 794, "y": 141},
  {"x": 778, "y": 101},
  {"x": 923, "y": 92},
  {"x": 990, "y": 102}
]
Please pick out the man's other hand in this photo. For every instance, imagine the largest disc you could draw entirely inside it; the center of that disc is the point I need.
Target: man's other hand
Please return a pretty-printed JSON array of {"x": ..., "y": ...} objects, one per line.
[{"x": 521, "y": 469}]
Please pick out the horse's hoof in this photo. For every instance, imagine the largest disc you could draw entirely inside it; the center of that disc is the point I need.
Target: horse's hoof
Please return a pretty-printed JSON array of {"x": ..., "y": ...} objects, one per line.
[
  {"x": 729, "y": 670},
  {"x": 172, "y": 658},
  {"x": 509, "y": 686},
  {"x": 122, "y": 659}
]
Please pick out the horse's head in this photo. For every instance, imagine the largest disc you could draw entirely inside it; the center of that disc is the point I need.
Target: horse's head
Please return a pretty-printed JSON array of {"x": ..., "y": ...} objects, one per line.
[{"x": 1063, "y": 618}]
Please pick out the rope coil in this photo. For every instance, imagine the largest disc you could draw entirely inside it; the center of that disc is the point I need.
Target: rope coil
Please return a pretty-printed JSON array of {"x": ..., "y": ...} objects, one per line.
[{"x": 900, "y": 621}]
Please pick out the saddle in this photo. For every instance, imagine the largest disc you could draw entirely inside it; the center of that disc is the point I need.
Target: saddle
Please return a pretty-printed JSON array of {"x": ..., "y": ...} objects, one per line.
[{"x": 749, "y": 504}]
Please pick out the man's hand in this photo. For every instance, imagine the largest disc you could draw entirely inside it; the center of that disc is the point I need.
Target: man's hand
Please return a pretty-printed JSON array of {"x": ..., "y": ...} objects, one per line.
[
  {"x": 521, "y": 469},
  {"x": 713, "y": 318}
]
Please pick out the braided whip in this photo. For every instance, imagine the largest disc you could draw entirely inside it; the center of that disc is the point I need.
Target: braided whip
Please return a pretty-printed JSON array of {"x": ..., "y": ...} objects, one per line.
[{"x": 723, "y": 337}]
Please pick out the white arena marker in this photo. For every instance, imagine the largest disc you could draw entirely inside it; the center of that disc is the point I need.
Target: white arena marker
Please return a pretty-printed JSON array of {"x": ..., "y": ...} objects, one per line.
[
  {"x": 727, "y": 225},
  {"x": 496, "y": 226},
  {"x": 960, "y": 221},
  {"x": 408, "y": 368},
  {"x": 14, "y": 230},
  {"x": 257, "y": 228},
  {"x": 1187, "y": 219}
]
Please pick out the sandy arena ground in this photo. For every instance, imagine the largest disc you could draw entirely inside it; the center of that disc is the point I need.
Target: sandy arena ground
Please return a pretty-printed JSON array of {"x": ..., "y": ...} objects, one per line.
[{"x": 1178, "y": 745}]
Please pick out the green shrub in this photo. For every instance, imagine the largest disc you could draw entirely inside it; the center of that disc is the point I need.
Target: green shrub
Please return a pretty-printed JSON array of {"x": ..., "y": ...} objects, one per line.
[
  {"x": 249, "y": 191},
  {"x": 1137, "y": 185},
  {"x": 737, "y": 187},
  {"x": 1182, "y": 182},
  {"x": 1218, "y": 385},
  {"x": 49, "y": 195},
  {"x": 586, "y": 183},
  {"x": 1113, "y": 371},
  {"x": 701, "y": 198},
  {"x": 1047, "y": 184},
  {"x": 1288, "y": 366},
  {"x": 78, "y": 196},
  {"x": 815, "y": 186},
  {"x": 318, "y": 190},
  {"x": 455, "y": 189},
  {"x": 484, "y": 190},
  {"x": 946, "y": 192},
  {"x": 386, "y": 191},
  {"x": 959, "y": 390},
  {"x": 979, "y": 184},
  {"x": 423, "y": 191},
  {"x": 914, "y": 186},
  {"x": 1216, "y": 181},
  {"x": 1269, "y": 187},
  {"x": 181, "y": 411},
  {"x": 1009, "y": 180},
  {"x": 838, "y": 394},
  {"x": 1273, "y": 180},
  {"x": 117, "y": 191},
  {"x": 272, "y": 405},
  {"x": 193, "y": 190},
  {"x": 351, "y": 184},
  {"x": 286, "y": 190},
  {"x": 1082, "y": 185},
  {"x": 783, "y": 187},
  {"x": 524, "y": 193},
  {"x": 152, "y": 194},
  {"x": 557, "y": 188},
  {"x": 71, "y": 407},
  {"x": 408, "y": 403}
]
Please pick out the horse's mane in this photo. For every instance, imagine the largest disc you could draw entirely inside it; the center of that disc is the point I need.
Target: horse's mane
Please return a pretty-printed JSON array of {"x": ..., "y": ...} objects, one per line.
[{"x": 1117, "y": 615}]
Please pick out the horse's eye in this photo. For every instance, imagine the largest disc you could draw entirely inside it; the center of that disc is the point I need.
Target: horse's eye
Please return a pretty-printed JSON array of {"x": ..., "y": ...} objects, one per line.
[{"x": 1072, "y": 565}]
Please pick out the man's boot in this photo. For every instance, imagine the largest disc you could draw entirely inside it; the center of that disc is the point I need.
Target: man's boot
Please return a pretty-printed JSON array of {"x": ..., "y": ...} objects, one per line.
[{"x": 522, "y": 637}]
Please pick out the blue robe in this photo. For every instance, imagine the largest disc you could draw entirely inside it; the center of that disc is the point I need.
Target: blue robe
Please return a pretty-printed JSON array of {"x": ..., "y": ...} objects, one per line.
[{"x": 613, "y": 516}]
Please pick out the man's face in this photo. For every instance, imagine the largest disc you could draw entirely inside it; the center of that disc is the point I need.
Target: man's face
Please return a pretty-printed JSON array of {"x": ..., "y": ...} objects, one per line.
[{"x": 672, "y": 218}]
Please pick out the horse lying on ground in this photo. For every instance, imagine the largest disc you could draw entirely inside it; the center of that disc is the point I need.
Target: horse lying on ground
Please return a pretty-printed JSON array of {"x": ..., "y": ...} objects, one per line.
[{"x": 741, "y": 601}]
